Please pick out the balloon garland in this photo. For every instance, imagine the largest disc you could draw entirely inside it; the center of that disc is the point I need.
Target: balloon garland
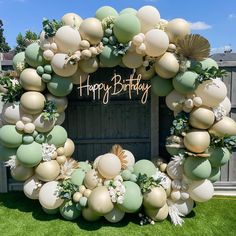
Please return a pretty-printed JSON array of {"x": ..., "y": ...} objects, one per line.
[{"x": 33, "y": 100}]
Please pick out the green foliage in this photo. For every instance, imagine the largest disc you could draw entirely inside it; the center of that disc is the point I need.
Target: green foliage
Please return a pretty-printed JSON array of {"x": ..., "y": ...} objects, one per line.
[
  {"x": 208, "y": 73},
  {"x": 14, "y": 89},
  {"x": 120, "y": 49},
  {"x": 67, "y": 189},
  {"x": 147, "y": 183},
  {"x": 4, "y": 47},
  {"x": 24, "y": 40},
  {"x": 228, "y": 142},
  {"x": 50, "y": 111},
  {"x": 51, "y": 27},
  {"x": 180, "y": 124}
]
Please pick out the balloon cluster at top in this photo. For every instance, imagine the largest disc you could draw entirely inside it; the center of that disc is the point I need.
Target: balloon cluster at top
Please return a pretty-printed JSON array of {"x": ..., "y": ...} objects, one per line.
[{"x": 37, "y": 148}]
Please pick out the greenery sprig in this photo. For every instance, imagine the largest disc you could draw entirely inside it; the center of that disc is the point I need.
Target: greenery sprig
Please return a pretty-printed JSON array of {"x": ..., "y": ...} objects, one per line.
[
  {"x": 228, "y": 142},
  {"x": 147, "y": 183},
  {"x": 51, "y": 27},
  {"x": 180, "y": 124},
  {"x": 50, "y": 111},
  {"x": 66, "y": 189}
]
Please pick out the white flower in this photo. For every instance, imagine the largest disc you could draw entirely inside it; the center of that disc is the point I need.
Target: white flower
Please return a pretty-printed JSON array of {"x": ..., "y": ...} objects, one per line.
[
  {"x": 120, "y": 199},
  {"x": 47, "y": 151},
  {"x": 113, "y": 198},
  {"x": 118, "y": 178}
]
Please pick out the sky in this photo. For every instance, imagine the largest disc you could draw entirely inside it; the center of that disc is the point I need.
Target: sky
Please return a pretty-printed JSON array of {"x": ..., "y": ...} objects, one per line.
[{"x": 213, "y": 19}]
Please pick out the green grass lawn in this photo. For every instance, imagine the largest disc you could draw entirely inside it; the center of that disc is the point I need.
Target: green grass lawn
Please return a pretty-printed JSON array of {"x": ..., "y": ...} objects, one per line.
[{"x": 22, "y": 216}]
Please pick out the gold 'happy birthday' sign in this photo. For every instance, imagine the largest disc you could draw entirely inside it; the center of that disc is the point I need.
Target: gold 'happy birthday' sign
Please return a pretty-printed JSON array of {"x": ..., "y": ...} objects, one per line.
[{"x": 102, "y": 91}]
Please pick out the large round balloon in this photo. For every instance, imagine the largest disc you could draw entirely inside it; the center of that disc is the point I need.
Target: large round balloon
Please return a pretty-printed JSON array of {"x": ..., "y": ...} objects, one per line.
[
  {"x": 108, "y": 58},
  {"x": 132, "y": 60},
  {"x": 161, "y": 87},
  {"x": 89, "y": 66},
  {"x": 59, "y": 86},
  {"x": 21, "y": 173},
  {"x": 154, "y": 47},
  {"x": 77, "y": 177},
  {"x": 115, "y": 215},
  {"x": 48, "y": 195},
  {"x": 157, "y": 214},
  {"x": 126, "y": 27},
  {"x": 42, "y": 125},
  {"x": 173, "y": 101},
  {"x": 215, "y": 174},
  {"x": 57, "y": 136},
  {"x": 218, "y": 156},
  {"x": 208, "y": 63},
  {"x": 128, "y": 10},
  {"x": 29, "y": 155},
  {"x": 69, "y": 148},
  {"x": 69, "y": 211},
  {"x": 79, "y": 77},
  {"x": 105, "y": 11},
  {"x": 72, "y": 20},
  {"x": 11, "y": 112},
  {"x": 144, "y": 167},
  {"x": 31, "y": 188},
  {"x": 67, "y": 39},
  {"x": 132, "y": 199},
  {"x": 18, "y": 61}
]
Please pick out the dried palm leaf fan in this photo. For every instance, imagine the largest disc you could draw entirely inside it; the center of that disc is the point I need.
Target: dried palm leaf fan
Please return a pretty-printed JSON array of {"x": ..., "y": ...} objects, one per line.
[
  {"x": 67, "y": 169},
  {"x": 193, "y": 46},
  {"x": 118, "y": 151}
]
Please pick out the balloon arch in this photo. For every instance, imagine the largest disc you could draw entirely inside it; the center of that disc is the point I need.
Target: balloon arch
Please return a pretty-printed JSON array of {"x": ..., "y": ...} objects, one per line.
[{"x": 38, "y": 151}]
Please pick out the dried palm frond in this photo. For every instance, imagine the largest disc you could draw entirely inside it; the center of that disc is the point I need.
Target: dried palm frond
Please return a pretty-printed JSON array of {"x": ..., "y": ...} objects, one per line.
[
  {"x": 174, "y": 214},
  {"x": 118, "y": 151},
  {"x": 206, "y": 155},
  {"x": 193, "y": 46},
  {"x": 67, "y": 169}
]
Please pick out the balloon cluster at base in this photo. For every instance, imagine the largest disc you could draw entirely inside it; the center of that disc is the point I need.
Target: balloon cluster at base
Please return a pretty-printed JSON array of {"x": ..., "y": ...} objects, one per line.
[{"x": 33, "y": 102}]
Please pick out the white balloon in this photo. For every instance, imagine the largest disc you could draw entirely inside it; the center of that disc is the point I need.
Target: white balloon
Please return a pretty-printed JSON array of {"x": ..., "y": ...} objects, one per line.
[
  {"x": 149, "y": 17},
  {"x": 48, "y": 55},
  {"x": 48, "y": 195},
  {"x": 72, "y": 20},
  {"x": 11, "y": 112},
  {"x": 184, "y": 206},
  {"x": 226, "y": 104},
  {"x": 156, "y": 42},
  {"x": 115, "y": 215},
  {"x": 201, "y": 191},
  {"x": 96, "y": 161},
  {"x": 173, "y": 99},
  {"x": 129, "y": 157},
  {"x": 31, "y": 188}
]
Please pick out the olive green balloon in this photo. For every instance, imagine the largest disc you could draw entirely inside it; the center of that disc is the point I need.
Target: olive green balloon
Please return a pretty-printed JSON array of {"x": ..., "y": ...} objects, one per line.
[
  {"x": 90, "y": 215},
  {"x": 105, "y": 11},
  {"x": 126, "y": 26},
  {"x": 185, "y": 82},
  {"x": 10, "y": 137},
  {"x": 6, "y": 153},
  {"x": 108, "y": 58},
  {"x": 129, "y": 10},
  {"x": 29, "y": 155},
  {"x": 85, "y": 166},
  {"x": 27, "y": 139},
  {"x": 59, "y": 86},
  {"x": 50, "y": 211},
  {"x": 161, "y": 87},
  {"x": 218, "y": 156},
  {"x": 77, "y": 177},
  {"x": 215, "y": 174},
  {"x": 133, "y": 198},
  {"x": 48, "y": 69},
  {"x": 197, "y": 168},
  {"x": 18, "y": 59},
  {"x": 69, "y": 211},
  {"x": 57, "y": 136},
  {"x": 144, "y": 167},
  {"x": 34, "y": 55}
]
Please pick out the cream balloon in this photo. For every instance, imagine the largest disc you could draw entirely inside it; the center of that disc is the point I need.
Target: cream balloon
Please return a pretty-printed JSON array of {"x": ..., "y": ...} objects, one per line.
[
  {"x": 79, "y": 77},
  {"x": 48, "y": 195},
  {"x": 154, "y": 47},
  {"x": 61, "y": 118},
  {"x": 109, "y": 166},
  {"x": 226, "y": 105},
  {"x": 173, "y": 101},
  {"x": 60, "y": 102},
  {"x": 89, "y": 66},
  {"x": 132, "y": 60},
  {"x": 91, "y": 179},
  {"x": 69, "y": 148},
  {"x": 11, "y": 112},
  {"x": 67, "y": 39},
  {"x": 32, "y": 187},
  {"x": 60, "y": 67},
  {"x": 42, "y": 125},
  {"x": 72, "y": 20},
  {"x": 129, "y": 158},
  {"x": 184, "y": 206},
  {"x": 201, "y": 191},
  {"x": 149, "y": 17},
  {"x": 21, "y": 173},
  {"x": 48, "y": 55}
]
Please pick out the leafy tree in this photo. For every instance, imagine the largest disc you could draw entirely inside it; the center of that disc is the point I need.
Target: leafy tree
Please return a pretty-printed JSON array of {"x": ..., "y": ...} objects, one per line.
[
  {"x": 24, "y": 40},
  {"x": 4, "y": 47}
]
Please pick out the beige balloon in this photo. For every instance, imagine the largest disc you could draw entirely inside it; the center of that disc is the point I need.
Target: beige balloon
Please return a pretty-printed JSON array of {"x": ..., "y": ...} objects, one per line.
[
  {"x": 99, "y": 201},
  {"x": 177, "y": 28},
  {"x": 167, "y": 66},
  {"x": 91, "y": 179},
  {"x": 77, "y": 196},
  {"x": 42, "y": 125},
  {"x": 48, "y": 55},
  {"x": 146, "y": 74},
  {"x": 31, "y": 188},
  {"x": 89, "y": 66},
  {"x": 67, "y": 39},
  {"x": 197, "y": 141},
  {"x": 224, "y": 127},
  {"x": 173, "y": 101},
  {"x": 61, "y": 159},
  {"x": 59, "y": 66},
  {"x": 69, "y": 148},
  {"x": 154, "y": 47},
  {"x": 157, "y": 214},
  {"x": 32, "y": 102},
  {"x": 47, "y": 171},
  {"x": 11, "y": 112},
  {"x": 89, "y": 215},
  {"x": 91, "y": 30},
  {"x": 61, "y": 118},
  {"x": 30, "y": 80},
  {"x": 201, "y": 118},
  {"x": 60, "y": 102},
  {"x": 72, "y": 20},
  {"x": 226, "y": 104},
  {"x": 155, "y": 199},
  {"x": 79, "y": 77},
  {"x": 109, "y": 166},
  {"x": 132, "y": 60},
  {"x": 21, "y": 173}
]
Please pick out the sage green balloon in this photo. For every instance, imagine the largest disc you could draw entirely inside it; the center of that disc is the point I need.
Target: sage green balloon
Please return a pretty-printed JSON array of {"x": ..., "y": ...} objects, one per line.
[
  {"x": 40, "y": 138},
  {"x": 161, "y": 87},
  {"x": 34, "y": 55},
  {"x": 57, "y": 136},
  {"x": 10, "y": 137},
  {"x": 126, "y": 26},
  {"x": 185, "y": 82},
  {"x": 85, "y": 166},
  {"x": 59, "y": 86},
  {"x": 18, "y": 59},
  {"x": 6, "y": 153},
  {"x": 129, "y": 10},
  {"x": 115, "y": 215},
  {"x": 105, "y": 11},
  {"x": 209, "y": 63},
  {"x": 69, "y": 211},
  {"x": 218, "y": 156},
  {"x": 48, "y": 69},
  {"x": 144, "y": 167},
  {"x": 50, "y": 211},
  {"x": 29, "y": 155},
  {"x": 133, "y": 198},
  {"x": 215, "y": 175},
  {"x": 77, "y": 177},
  {"x": 27, "y": 139},
  {"x": 108, "y": 58},
  {"x": 197, "y": 168}
]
